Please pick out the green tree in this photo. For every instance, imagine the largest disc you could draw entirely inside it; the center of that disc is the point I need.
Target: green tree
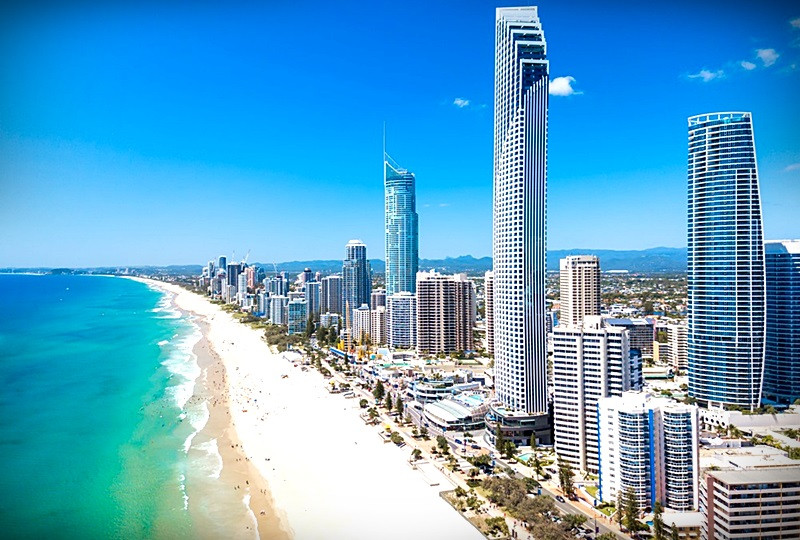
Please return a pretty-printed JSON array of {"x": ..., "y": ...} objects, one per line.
[
  {"x": 416, "y": 454},
  {"x": 674, "y": 534},
  {"x": 565, "y": 477},
  {"x": 423, "y": 432},
  {"x": 499, "y": 439},
  {"x": 310, "y": 326},
  {"x": 620, "y": 513},
  {"x": 322, "y": 335},
  {"x": 363, "y": 403},
  {"x": 441, "y": 442},
  {"x": 658, "y": 522},
  {"x": 389, "y": 403},
  {"x": 607, "y": 536},
  {"x": 379, "y": 391},
  {"x": 573, "y": 521},
  {"x": 398, "y": 406},
  {"x": 631, "y": 510},
  {"x": 510, "y": 450}
]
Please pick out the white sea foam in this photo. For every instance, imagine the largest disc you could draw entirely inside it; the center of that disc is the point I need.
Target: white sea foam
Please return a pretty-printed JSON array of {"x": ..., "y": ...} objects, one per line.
[
  {"x": 209, "y": 459},
  {"x": 163, "y": 342},
  {"x": 198, "y": 419},
  {"x": 183, "y": 492},
  {"x": 182, "y": 362}
]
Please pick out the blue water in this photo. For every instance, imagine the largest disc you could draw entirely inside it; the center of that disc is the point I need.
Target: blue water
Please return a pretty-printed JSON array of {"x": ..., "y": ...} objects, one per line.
[{"x": 95, "y": 373}]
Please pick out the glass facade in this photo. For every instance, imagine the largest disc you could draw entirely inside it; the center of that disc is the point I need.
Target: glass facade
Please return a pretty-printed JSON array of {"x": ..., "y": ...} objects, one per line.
[
  {"x": 402, "y": 234},
  {"x": 356, "y": 279},
  {"x": 519, "y": 235},
  {"x": 782, "y": 358},
  {"x": 725, "y": 262}
]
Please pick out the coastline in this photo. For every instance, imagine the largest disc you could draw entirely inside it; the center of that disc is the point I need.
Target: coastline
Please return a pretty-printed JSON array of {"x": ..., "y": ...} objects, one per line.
[{"x": 323, "y": 472}]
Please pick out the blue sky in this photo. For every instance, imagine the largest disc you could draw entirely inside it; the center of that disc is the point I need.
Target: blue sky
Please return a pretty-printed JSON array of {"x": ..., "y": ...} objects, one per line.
[{"x": 142, "y": 133}]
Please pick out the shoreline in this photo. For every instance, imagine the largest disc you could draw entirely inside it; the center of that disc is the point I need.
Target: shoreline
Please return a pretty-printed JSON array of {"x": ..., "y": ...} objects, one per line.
[{"x": 326, "y": 473}]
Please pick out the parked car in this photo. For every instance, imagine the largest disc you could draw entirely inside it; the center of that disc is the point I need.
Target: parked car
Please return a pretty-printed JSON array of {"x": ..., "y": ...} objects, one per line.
[{"x": 560, "y": 499}]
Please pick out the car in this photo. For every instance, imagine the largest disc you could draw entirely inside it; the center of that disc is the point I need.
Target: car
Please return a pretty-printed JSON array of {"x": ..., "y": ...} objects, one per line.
[
  {"x": 458, "y": 441},
  {"x": 475, "y": 447},
  {"x": 560, "y": 499}
]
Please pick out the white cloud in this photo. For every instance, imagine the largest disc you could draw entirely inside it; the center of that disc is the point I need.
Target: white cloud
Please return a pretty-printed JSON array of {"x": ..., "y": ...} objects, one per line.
[
  {"x": 749, "y": 66},
  {"x": 795, "y": 22},
  {"x": 707, "y": 75},
  {"x": 792, "y": 167},
  {"x": 562, "y": 86},
  {"x": 444, "y": 204},
  {"x": 461, "y": 102},
  {"x": 767, "y": 56}
]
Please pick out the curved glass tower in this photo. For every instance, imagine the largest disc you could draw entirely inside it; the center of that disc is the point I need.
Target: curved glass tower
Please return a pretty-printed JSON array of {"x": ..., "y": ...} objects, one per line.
[
  {"x": 520, "y": 180},
  {"x": 402, "y": 235},
  {"x": 782, "y": 357},
  {"x": 726, "y": 262}
]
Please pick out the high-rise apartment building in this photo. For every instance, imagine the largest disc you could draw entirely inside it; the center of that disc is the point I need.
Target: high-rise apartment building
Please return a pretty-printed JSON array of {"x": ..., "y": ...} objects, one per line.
[
  {"x": 401, "y": 320},
  {"x": 296, "y": 316},
  {"x": 378, "y": 326},
  {"x": 580, "y": 288},
  {"x": 651, "y": 446},
  {"x": 725, "y": 262},
  {"x": 445, "y": 313},
  {"x": 402, "y": 235},
  {"x": 519, "y": 206},
  {"x": 642, "y": 333},
  {"x": 782, "y": 344},
  {"x": 223, "y": 263},
  {"x": 331, "y": 294},
  {"x": 590, "y": 362},
  {"x": 677, "y": 337},
  {"x": 277, "y": 309},
  {"x": 488, "y": 304},
  {"x": 362, "y": 324},
  {"x": 356, "y": 279},
  {"x": 313, "y": 297},
  {"x": 377, "y": 298}
]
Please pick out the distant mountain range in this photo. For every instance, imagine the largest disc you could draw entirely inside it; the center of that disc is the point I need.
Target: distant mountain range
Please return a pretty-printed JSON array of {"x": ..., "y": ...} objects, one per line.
[{"x": 654, "y": 260}]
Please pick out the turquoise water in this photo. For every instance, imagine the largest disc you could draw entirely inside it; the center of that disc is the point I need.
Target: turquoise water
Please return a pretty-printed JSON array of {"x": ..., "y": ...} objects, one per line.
[{"x": 95, "y": 374}]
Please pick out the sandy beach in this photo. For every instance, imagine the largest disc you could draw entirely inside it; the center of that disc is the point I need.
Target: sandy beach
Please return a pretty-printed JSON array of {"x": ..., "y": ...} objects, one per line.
[{"x": 308, "y": 461}]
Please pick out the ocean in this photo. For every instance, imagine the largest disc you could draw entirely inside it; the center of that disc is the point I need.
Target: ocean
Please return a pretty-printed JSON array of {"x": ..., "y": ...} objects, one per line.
[{"x": 96, "y": 420}]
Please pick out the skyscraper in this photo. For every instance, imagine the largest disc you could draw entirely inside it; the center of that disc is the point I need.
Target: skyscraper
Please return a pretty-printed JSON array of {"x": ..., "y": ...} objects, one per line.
[
  {"x": 402, "y": 237},
  {"x": 782, "y": 344},
  {"x": 445, "y": 313},
  {"x": 590, "y": 362},
  {"x": 580, "y": 288},
  {"x": 331, "y": 294},
  {"x": 356, "y": 279},
  {"x": 518, "y": 247},
  {"x": 312, "y": 297},
  {"x": 488, "y": 305},
  {"x": 725, "y": 262},
  {"x": 401, "y": 320}
]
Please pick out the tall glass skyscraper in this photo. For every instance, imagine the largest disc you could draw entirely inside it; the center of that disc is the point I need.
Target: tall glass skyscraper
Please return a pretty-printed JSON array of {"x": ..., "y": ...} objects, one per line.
[
  {"x": 519, "y": 232},
  {"x": 402, "y": 234},
  {"x": 356, "y": 279},
  {"x": 782, "y": 358},
  {"x": 726, "y": 262}
]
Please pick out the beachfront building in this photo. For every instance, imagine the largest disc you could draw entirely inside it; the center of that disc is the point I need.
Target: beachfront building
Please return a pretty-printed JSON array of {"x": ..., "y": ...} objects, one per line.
[
  {"x": 677, "y": 351},
  {"x": 590, "y": 361},
  {"x": 649, "y": 445},
  {"x": 331, "y": 294},
  {"x": 580, "y": 288},
  {"x": 726, "y": 299},
  {"x": 401, "y": 228},
  {"x": 362, "y": 322},
  {"x": 462, "y": 412},
  {"x": 378, "y": 325},
  {"x": 277, "y": 309},
  {"x": 222, "y": 263},
  {"x": 377, "y": 298},
  {"x": 312, "y": 297},
  {"x": 445, "y": 313},
  {"x": 782, "y": 344},
  {"x": 488, "y": 303},
  {"x": 518, "y": 233},
  {"x": 296, "y": 316},
  {"x": 356, "y": 280},
  {"x": 401, "y": 320},
  {"x": 430, "y": 389}
]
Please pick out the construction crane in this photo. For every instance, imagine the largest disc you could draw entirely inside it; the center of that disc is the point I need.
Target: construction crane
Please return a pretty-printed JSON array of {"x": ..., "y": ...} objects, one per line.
[{"x": 244, "y": 261}]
